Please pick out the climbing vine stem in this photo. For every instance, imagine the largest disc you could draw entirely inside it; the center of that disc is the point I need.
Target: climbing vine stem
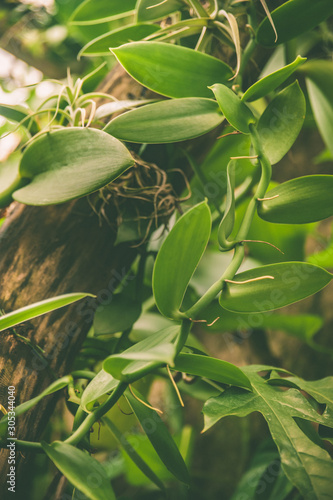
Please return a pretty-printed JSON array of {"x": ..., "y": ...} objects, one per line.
[{"x": 266, "y": 173}]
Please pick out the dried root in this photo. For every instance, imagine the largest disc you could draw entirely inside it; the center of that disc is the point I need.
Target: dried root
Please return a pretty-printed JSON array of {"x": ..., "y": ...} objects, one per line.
[{"x": 143, "y": 194}]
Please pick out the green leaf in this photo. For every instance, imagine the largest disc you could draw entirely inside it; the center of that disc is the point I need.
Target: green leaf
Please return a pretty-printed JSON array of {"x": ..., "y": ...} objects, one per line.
[
  {"x": 307, "y": 465},
  {"x": 321, "y": 390},
  {"x": 134, "y": 456},
  {"x": 96, "y": 389},
  {"x": 38, "y": 309},
  {"x": 292, "y": 19},
  {"x": 131, "y": 366},
  {"x": 236, "y": 112},
  {"x": 292, "y": 281},
  {"x": 299, "y": 201},
  {"x": 167, "y": 121},
  {"x": 173, "y": 268},
  {"x": 290, "y": 239},
  {"x": 302, "y": 326},
  {"x": 320, "y": 72},
  {"x": 117, "y": 316},
  {"x": 143, "y": 357},
  {"x": 183, "y": 29},
  {"x": 101, "y": 11},
  {"x": 227, "y": 223},
  {"x": 18, "y": 114},
  {"x": 323, "y": 258},
  {"x": 27, "y": 405},
  {"x": 270, "y": 82},
  {"x": 10, "y": 180},
  {"x": 109, "y": 108},
  {"x": 159, "y": 437},
  {"x": 172, "y": 70},
  {"x": 152, "y": 10},
  {"x": 144, "y": 448},
  {"x": 212, "y": 368},
  {"x": 324, "y": 156},
  {"x": 264, "y": 471},
  {"x": 322, "y": 107},
  {"x": 281, "y": 122},
  {"x": 148, "y": 324},
  {"x": 100, "y": 46},
  {"x": 83, "y": 471},
  {"x": 68, "y": 163}
]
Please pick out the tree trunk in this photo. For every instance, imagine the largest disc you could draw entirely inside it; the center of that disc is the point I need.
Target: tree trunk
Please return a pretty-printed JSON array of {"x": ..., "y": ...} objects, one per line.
[{"x": 46, "y": 252}]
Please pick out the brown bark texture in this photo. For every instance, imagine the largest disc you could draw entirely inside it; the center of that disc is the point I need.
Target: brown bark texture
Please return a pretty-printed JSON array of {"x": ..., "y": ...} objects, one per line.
[{"x": 45, "y": 252}]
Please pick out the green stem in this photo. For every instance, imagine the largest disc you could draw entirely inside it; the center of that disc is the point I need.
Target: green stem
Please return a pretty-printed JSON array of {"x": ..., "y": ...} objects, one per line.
[
  {"x": 266, "y": 174},
  {"x": 290, "y": 51},
  {"x": 92, "y": 418},
  {"x": 211, "y": 293},
  {"x": 83, "y": 374},
  {"x": 80, "y": 416},
  {"x": 184, "y": 332},
  {"x": 27, "y": 445}
]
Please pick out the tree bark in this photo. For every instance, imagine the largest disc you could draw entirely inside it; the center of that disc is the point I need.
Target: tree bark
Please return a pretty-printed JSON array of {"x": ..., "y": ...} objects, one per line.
[{"x": 47, "y": 252}]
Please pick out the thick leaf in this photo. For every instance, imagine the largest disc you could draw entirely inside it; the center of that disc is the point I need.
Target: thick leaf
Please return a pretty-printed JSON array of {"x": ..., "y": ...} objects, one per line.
[
  {"x": 292, "y": 281},
  {"x": 101, "y": 11},
  {"x": 97, "y": 388},
  {"x": 22, "y": 408},
  {"x": 117, "y": 106},
  {"x": 236, "y": 112},
  {"x": 299, "y": 201},
  {"x": 83, "y": 471},
  {"x": 227, "y": 223},
  {"x": 270, "y": 82},
  {"x": 144, "y": 448},
  {"x": 172, "y": 70},
  {"x": 323, "y": 258},
  {"x": 38, "y": 309},
  {"x": 302, "y": 326},
  {"x": 292, "y": 19},
  {"x": 148, "y": 324},
  {"x": 321, "y": 390},
  {"x": 132, "y": 453},
  {"x": 101, "y": 46},
  {"x": 117, "y": 316},
  {"x": 131, "y": 366},
  {"x": 263, "y": 471},
  {"x": 18, "y": 114},
  {"x": 14, "y": 113},
  {"x": 68, "y": 163},
  {"x": 159, "y": 437},
  {"x": 173, "y": 269},
  {"x": 10, "y": 180},
  {"x": 307, "y": 465},
  {"x": 212, "y": 368},
  {"x": 151, "y": 10},
  {"x": 322, "y": 107},
  {"x": 143, "y": 357},
  {"x": 320, "y": 72},
  {"x": 290, "y": 239},
  {"x": 281, "y": 122},
  {"x": 167, "y": 121}
]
